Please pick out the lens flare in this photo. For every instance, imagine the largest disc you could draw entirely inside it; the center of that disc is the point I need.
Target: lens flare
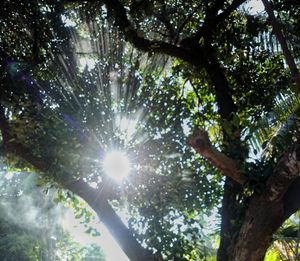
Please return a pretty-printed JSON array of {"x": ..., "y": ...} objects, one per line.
[{"x": 116, "y": 165}]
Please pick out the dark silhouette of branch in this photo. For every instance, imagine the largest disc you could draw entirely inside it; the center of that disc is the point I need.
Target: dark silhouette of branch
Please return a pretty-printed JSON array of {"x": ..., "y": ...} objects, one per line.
[
  {"x": 189, "y": 17},
  {"x": 213, "y": 19},
  {"x": 227, "y": 12},
  {"x": 285, "y": 49},
  {"x": 184, "y": 52},
  {"x": 165, "y": 19},
  {"x": 96, "y": 198},
  {"x": 131, "y": 35}
]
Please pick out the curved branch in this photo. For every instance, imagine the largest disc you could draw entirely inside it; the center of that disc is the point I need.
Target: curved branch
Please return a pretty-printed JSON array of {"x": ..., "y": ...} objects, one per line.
[
  {"x": 143, "y": 44},
  {"x": 200, "y": 142},
  {"x": 165, "y": 19},
  {"x": 97, "y": 199},
  {"x": 188, "y": 18},
  {"x": 98, "y": 202}
]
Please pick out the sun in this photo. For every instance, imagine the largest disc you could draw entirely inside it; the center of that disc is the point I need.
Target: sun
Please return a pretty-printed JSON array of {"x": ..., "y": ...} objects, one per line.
[{"x": 116, "y": 165}]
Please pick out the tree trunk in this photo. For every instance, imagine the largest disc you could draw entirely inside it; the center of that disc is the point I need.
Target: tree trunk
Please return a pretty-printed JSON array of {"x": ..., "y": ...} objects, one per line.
[
  {"x": 230, "y": 217},
  {"x": 262, "y": 219}
]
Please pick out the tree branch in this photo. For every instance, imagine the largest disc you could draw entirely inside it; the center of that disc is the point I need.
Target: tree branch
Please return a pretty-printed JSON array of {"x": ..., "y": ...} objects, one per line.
[
  {"x": 212, "y": 20},
  {"x": 4, "y": 125},
  {"x": 143, "y": 44},
  {"x": 165, "y": 19},
  {"x": 218, "y": 79},
  {"x": 124, "y": 237},
  {"x": 96, "y": 198},
  {"x": 285, "y": 172},
  {"x": 233, "y": 6},
  {"x": 285, "y": 49},
  {"x": 189, "y": 17},
  {"x": 200, "y": 142}
]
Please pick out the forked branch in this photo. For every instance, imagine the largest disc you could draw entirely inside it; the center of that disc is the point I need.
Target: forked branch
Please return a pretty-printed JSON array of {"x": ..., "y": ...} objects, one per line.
[{"x": 131, "y": 34}]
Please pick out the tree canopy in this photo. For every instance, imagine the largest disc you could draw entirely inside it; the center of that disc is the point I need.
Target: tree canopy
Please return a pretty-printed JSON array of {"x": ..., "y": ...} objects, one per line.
[{"x": 201, "y": 97}]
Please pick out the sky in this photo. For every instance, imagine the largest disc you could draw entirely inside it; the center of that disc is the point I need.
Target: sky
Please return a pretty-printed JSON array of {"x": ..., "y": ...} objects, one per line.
[
  {"x": 255, "y": 6},
  {"x": 109, "y": 246}
]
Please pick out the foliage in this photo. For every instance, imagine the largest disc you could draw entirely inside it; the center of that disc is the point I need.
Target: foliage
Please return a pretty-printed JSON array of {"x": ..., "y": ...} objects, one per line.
[
  {"x": 73, "y": 89},
  {"x": 286, "y": 240},
  {"x": 79, "y": 114},
  {"x": 35, "y": 234}
]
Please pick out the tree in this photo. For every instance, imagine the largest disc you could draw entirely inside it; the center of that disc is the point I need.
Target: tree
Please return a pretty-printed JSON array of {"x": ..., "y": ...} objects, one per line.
[{"x": 222, "y": 79}]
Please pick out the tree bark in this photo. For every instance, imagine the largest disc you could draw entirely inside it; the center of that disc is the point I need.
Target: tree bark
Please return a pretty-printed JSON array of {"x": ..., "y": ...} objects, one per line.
[
  {"x": 264, "y": 214},
  {"x": 231, "y": 213},
  {"x": 96, "y": 199},
  {"x": 269, "y": 209},
  {"x": 292, "y": 198},
  {"x": 262, "y": 219},
  {"x": 199, "y": 140}
]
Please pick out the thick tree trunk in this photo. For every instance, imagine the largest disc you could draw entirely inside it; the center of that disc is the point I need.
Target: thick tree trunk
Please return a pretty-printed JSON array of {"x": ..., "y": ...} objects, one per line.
[
  {"x": 232, "y": 211},
  {"x": 262, "y": 219},
  {"x": 230, "y": 217}
]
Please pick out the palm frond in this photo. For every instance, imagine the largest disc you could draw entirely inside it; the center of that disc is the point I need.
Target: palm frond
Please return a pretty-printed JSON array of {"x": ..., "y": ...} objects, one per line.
[{"x": 277, "y": 125}]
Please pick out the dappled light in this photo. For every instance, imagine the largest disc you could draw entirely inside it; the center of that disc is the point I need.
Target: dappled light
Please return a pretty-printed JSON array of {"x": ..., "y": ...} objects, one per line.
[{"x": 173, "y": 124}]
